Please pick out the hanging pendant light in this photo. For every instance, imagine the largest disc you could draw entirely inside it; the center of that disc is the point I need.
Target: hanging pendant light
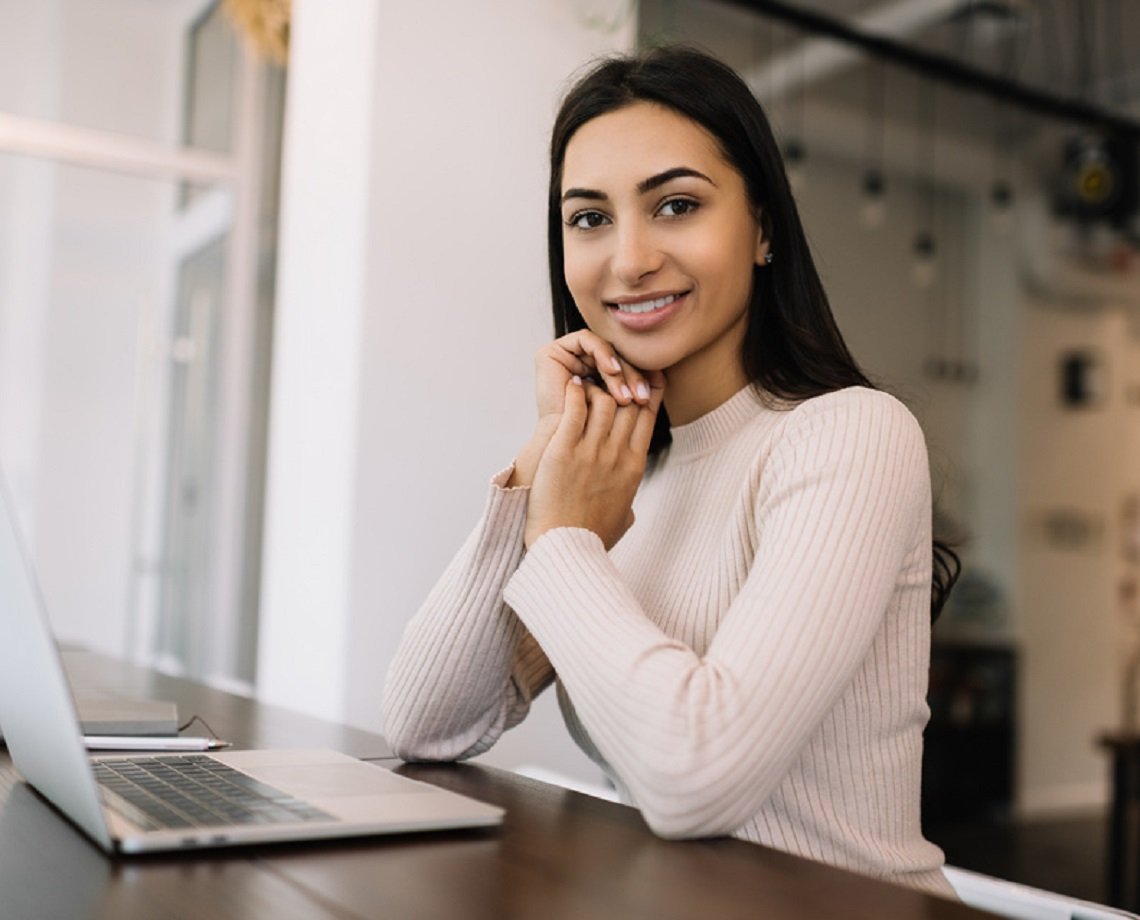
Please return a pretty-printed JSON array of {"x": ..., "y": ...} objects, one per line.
[
  {"x": 1001, "y": 189},
  {"x": 925, "y": 265},
  {"x": 1001, "y": 205},
  {"x": 873, "y": 211},
  {"x": 924, "y": 248}
]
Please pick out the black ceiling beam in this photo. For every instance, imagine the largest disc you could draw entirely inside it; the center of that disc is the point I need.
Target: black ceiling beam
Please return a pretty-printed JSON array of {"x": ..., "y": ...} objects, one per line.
[{"x": 945, "y": 69}]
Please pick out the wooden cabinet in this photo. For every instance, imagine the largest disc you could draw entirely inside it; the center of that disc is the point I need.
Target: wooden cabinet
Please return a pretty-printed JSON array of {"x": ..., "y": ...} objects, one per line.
[{"x": 970, "y": 743}]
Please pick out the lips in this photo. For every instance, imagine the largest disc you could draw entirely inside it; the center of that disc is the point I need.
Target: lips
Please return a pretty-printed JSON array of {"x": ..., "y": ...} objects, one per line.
[{"x": 648, "y": 312}]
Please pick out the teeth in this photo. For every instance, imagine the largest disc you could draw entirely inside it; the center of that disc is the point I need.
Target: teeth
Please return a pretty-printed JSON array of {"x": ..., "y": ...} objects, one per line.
[{"x": 646, "y": 305}]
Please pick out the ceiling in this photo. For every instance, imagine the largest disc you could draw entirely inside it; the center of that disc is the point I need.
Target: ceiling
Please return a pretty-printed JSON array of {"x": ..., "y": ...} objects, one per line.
[{"x": 1085, "y": 50}]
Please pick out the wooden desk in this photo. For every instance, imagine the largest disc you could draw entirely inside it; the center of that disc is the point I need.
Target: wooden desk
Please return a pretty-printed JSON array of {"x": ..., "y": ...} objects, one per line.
[{"x": 558, "y": 855}]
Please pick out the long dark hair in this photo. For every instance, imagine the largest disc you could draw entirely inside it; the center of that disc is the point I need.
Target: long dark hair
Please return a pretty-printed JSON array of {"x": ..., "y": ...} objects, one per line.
[{"x": 792, "y": 346}]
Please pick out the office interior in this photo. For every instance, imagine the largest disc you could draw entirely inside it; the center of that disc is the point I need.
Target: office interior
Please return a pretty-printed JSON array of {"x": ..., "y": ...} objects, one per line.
[{"x": 268, "y": 310}]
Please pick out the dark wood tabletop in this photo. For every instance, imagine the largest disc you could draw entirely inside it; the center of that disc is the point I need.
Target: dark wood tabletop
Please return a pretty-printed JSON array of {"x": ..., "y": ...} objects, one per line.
[{"x": 559, "y": 854}]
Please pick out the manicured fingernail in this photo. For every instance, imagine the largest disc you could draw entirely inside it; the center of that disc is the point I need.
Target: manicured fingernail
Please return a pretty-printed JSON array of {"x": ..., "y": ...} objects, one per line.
[
  {"x": 625, "y": 392},
  {"x": 643, "y": 391},
  {"x": 576, "y": 379},
  {"x": 615, "y": 364}
]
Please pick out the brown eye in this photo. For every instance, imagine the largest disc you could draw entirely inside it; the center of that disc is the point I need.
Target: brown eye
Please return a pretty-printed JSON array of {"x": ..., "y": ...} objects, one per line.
[
  {"x": 678, "y": 207},
  {"x": 586, "y": 220}
]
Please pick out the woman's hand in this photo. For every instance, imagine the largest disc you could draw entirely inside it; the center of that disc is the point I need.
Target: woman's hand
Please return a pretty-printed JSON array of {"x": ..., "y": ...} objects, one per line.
[
  {"x": 589, "y": 471},
  {"x": 587, "y": 356}
]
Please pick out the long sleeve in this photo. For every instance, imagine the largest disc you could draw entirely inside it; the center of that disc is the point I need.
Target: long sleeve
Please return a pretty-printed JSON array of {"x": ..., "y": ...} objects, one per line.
[
  {"x": 835, "y": 535},
  {"x": 467, "y": 669}
]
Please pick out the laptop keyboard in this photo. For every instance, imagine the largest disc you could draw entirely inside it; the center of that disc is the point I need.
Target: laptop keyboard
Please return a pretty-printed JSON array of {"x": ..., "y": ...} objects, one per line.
[{"x": 194, "y": 791}]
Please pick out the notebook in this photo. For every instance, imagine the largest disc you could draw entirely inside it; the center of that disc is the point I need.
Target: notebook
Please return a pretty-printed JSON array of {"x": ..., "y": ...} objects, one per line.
[
  {"x": 184, "y": 801},
  {"x": 113, "y": 715}
]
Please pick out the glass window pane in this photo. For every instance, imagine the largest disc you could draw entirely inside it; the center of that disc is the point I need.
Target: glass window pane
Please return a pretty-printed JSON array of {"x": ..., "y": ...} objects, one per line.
[
  {"x": 132, "y": 67},
  {"x": 109, "y": 298},
  {"x": 211, "y": 57}
]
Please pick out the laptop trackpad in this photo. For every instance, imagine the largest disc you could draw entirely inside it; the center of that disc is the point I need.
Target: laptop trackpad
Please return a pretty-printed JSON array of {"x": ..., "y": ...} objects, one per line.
[{"x": 312, "y": 781}]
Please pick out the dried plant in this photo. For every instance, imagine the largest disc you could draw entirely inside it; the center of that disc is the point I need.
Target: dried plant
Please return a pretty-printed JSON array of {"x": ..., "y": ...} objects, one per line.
[{"x": 265, "y": 24}]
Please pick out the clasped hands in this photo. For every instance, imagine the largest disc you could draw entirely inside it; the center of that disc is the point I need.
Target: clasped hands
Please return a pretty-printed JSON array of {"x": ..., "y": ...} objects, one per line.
[{"x": 587, "y": 455}]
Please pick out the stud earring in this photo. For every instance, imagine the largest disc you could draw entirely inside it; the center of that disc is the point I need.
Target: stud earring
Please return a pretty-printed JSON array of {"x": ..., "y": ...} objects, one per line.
[{"x": 768, "y": 257}]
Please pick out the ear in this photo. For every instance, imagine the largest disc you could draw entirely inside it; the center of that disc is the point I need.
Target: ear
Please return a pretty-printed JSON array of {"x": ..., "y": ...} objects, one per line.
[{"x": 762, "y": 247}]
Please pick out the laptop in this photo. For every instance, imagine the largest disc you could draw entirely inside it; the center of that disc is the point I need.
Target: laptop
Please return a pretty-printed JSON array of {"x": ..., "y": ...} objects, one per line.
[{"x": 163, "y": 802}]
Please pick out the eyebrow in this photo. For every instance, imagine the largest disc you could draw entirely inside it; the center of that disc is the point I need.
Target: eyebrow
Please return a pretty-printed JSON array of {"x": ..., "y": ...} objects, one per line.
[
  {"x": 677, "y": 172},
  {"x": 645, "y": 185}
]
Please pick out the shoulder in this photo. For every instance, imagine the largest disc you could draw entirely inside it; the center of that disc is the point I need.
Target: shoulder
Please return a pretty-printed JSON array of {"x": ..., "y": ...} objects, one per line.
[
  {"x": 858, "y": 401},
  {"x": 853, "y": 410},
  {"x": 856, "y": 425}
]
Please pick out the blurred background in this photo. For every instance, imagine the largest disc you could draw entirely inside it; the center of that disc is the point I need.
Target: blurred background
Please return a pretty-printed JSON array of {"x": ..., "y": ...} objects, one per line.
[{"x": 272, "y": 276}]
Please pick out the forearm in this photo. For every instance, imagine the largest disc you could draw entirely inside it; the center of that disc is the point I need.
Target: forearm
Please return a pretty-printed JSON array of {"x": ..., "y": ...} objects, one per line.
[
  {"x": 522, "y": 475},
  {"x": 466, "y": 669}
]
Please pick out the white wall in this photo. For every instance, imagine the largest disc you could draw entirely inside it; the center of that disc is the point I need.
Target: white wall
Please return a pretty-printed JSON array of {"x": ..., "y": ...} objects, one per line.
[
  {"x": 432, "y": 352},
  {"x": 1077, "y": 461},
  {"x": 317, "y": 351}
]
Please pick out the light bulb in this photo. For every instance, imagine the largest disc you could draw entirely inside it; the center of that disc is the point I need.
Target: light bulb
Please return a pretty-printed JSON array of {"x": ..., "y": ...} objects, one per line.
[
  {"x": 874, "y": 210},
  {"x": 1001, "y": 204},
  {"x": 924, "y": 259}
]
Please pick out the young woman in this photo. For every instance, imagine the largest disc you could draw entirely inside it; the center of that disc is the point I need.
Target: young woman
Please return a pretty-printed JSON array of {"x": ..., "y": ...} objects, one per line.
[{"x": 718, "y": 540}]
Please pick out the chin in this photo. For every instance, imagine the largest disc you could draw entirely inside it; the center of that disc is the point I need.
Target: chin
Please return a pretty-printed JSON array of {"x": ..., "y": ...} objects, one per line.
[
  {"x": 645, "y": 363},
  {"x": 651, "y": 362},
  {"x": 646, "y": 358}
]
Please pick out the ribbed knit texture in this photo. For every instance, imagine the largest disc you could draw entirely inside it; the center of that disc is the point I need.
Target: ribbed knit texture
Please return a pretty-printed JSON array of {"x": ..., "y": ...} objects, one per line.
[{"x": 750, "y": 659}]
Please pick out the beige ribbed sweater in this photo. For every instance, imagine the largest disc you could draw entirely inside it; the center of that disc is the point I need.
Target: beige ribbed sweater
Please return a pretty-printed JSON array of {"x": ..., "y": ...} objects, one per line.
[{"x": 750, "y": 659}]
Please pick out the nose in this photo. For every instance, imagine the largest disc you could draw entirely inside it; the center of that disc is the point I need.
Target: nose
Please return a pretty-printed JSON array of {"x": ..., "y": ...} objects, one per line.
[{"x": 636, "y": 254}]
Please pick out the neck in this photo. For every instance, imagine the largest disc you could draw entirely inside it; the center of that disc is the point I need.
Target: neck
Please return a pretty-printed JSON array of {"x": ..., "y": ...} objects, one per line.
[
  {"x": 705, "y": 380},
  {"x": 691, "y": 392}
]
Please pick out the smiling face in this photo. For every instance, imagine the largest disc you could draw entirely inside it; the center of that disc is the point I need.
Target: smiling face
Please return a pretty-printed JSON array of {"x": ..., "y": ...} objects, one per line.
[{"x": 659, "y": 243}]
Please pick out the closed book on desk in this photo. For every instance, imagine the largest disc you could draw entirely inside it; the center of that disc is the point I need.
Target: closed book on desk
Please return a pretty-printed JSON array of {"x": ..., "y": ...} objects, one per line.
[{"x": 110, "y": 716}]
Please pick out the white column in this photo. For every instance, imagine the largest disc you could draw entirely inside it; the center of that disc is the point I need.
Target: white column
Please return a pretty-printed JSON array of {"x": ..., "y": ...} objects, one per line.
[{"x": 312, "y": 437}]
